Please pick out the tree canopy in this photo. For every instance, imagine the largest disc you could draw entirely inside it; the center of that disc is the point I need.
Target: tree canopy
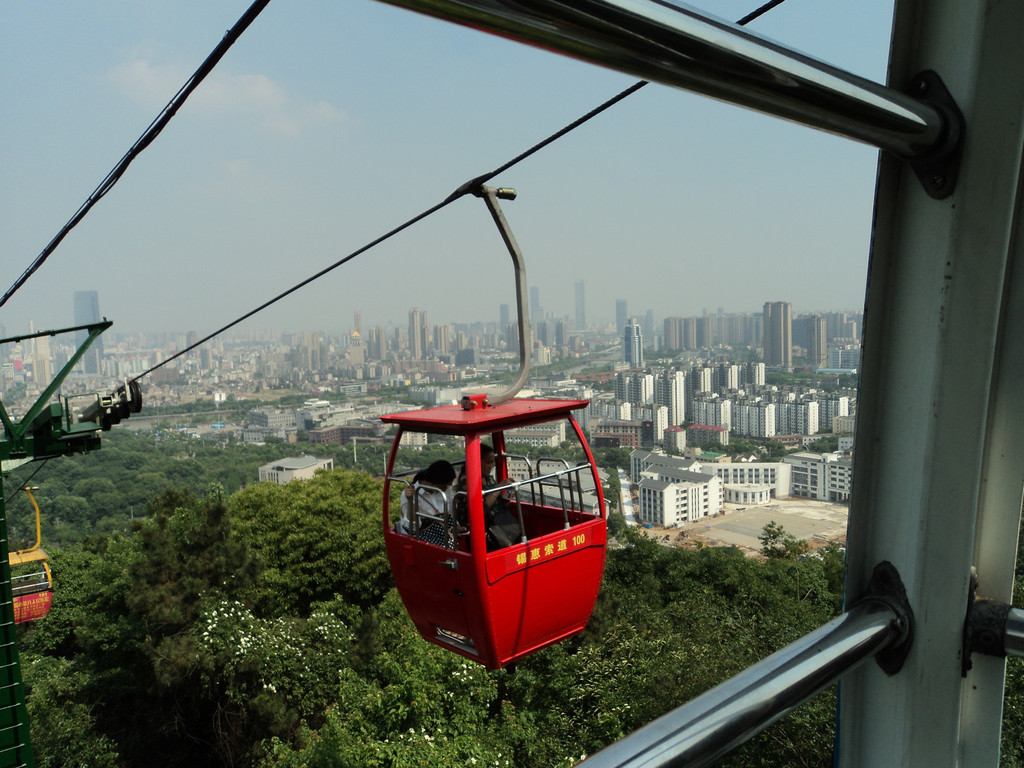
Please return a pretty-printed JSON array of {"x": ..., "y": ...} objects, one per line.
[{"x": 262, "y": 629}]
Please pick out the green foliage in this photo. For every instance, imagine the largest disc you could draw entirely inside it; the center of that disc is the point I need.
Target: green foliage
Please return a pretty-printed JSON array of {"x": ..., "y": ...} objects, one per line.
[
  {"x": 778, "y": 543},
  {"x": 315, "y": 539},
  {"x": 263, "y": 630},
  {"x": 768, "y": 450},
  {"x": 64, "y": 732},
  {"x": 824, "y": 444}
]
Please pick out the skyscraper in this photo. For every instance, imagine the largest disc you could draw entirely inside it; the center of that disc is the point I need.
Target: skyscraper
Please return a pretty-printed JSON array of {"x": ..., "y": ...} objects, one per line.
[
  {"x": 581, "y": 307},
  {"x": 673, "y": 333},
  {"x": 536, "y": 313},
  {"x": 621, "y": 315},
  {"x": 817, "y": 348},
  {"x": 670, "y": 391},
  {"x": 417, "y": 334},
  {"x": 87, "y": 310},
  {"x": 376, "y": 347},
  {"x": 633, "y": 344},
  {"x": 777, "y": 334}
]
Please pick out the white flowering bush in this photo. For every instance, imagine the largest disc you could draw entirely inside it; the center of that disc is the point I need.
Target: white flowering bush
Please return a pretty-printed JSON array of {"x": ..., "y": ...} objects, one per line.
[{"x": 297, "y": 661}]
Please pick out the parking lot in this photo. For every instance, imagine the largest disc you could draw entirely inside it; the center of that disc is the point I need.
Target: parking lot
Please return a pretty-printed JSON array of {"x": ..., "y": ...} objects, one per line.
[{"x": 818, "y": 522}]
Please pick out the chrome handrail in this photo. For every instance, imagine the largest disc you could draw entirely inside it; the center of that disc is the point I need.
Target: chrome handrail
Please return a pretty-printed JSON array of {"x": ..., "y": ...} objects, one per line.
[{"x": 706, "y": 728}]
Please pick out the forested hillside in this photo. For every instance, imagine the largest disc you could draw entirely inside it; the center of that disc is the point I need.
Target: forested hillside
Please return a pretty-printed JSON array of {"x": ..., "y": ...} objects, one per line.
[{"x": 262, "y": 629}]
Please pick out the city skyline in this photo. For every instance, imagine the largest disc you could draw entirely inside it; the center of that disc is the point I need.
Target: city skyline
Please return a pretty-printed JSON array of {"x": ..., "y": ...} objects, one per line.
[
  {"x": 675, "y": 332},
  {"x": 286, "y": 159}
]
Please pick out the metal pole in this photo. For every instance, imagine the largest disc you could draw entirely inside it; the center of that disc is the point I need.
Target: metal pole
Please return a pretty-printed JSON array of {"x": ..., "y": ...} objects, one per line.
[
  {"x": 490, "y": 196},
  {"x": 708, "y": 727},
  {"x": 682, "y": 47},
  {"x": 1013, "y": 637}
]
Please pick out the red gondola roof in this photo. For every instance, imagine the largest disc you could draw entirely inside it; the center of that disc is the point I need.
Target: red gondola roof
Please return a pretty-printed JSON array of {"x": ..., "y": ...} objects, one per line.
[{"x": 453, "y": 420}]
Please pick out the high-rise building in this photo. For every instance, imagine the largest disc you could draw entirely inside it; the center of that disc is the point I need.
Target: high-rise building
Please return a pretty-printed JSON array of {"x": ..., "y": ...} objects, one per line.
[
  {"x": 503, "y": 317},
  {"x": 673, "y": 333},
  {"x": 418, "y": 339},
  {"x": 689, "y": 333},
  {"x": 777, "y": 339},
  {"x": 87, "y": 310},
  {"x": 376, "y": 347},
  {"x": 633, "y": 345},
  {"x": 536, "y": 310},
  {"x": 702, "y": 330},
  {"x": 817, "y": 345},
  {"x": 621, "y": 315},
  {"x": 670, "y": 391},
  {"x": 581, "y": 306},
  {"x": 442, "y": 339}
]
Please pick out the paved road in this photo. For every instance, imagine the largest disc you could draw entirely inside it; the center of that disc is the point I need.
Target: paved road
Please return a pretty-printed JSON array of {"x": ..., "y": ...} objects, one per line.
[{"x": 625, "y": 500}]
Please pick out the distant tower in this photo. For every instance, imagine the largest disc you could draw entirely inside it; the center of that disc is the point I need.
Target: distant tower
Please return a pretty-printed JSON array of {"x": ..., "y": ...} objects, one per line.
[
  {"x": 702, "y": 331},
  {"x": 503, "y": 317},
  {"x": 417, "y": 334},
  {"x": 581, "y": 306},
  {"x": 621, "y": 315},
  {"x": 633, "y": 345},
  {"x": 689, "y": 333},
  {"x": 777, "y": 334},
  {"x": 442, "y": 339},
  {"x": 358, "y": 323},
  {"x": 376, "y": 348},
  {"x": 817, "y": 348},
  {"x": 673, "y": 333},
  {"x": 87, "y": 310}
]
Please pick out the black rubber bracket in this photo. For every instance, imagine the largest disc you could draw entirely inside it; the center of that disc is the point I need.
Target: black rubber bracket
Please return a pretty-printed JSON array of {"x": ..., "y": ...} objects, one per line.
[
  {"x": 886, "y": 587},
  {"x": 938, "y": 170},
  {"x": 984, "y": 630}
]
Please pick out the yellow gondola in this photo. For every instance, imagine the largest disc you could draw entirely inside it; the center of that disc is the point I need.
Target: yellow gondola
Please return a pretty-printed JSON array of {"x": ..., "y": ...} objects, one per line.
[{"x": 31, "y": 579}]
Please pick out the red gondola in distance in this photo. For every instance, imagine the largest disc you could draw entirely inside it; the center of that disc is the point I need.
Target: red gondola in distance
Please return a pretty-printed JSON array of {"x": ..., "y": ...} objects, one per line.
[{"x": 496, "y": 600}]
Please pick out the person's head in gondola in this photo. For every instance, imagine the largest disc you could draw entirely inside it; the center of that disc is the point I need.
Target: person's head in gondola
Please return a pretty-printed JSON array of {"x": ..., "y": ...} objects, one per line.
[
  {"x": 440, "y": 474},
  {"x": 486, "y": 464}
]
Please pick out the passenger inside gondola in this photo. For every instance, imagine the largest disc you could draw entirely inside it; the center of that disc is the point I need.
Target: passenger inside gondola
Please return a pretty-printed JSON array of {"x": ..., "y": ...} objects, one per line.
[
  {"x": 502, "y": 526},
  {"x": 426, "y": 505}
]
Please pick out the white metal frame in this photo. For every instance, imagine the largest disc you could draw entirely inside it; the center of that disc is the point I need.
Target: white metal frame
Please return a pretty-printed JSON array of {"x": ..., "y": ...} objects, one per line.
[{"x": 940, "y": 458}]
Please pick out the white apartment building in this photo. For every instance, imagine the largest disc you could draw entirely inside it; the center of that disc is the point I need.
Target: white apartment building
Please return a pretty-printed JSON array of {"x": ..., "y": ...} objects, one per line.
[
  {"x": 748, "y": 482},
  {"x": 293, "y": 468},
  {"x": 670, "y": 391},
  {"x": 755, "y": 418},
  {"x": 658, "y": 416},
  {"x": 670, "y": 497},
  {"x": 833, "y": 408},
  {"x": 712, "y": 411},
  {"x": 796, "y": 418},
  {"x": 538, "y": 436},
  {"x": 753, "y": 482},
  {"x": 842, "y": 424},
  {"x": 821, "y": 476}
]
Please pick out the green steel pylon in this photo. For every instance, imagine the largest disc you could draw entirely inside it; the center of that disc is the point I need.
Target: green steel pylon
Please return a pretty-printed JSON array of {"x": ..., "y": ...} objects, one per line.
[{"x": 45, "y": 431}]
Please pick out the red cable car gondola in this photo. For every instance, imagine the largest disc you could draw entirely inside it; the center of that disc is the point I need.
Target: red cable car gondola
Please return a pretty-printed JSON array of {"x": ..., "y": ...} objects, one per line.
[
  {"x": 497, "y": 606},
  {"x": 31, "y": 579},
  {"x": 495, "y": 593}
]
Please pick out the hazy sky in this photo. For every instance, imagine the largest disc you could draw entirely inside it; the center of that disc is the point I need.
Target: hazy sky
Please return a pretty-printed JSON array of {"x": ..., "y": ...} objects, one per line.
[{"x": 329, "y": 123}]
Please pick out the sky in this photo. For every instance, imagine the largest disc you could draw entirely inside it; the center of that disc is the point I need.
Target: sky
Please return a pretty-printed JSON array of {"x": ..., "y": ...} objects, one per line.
[{"x": 329, "y": 123}]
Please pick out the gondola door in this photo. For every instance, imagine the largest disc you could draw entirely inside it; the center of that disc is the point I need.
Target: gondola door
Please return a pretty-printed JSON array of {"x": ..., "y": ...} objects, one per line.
[{"x": 435, "y": 584}]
